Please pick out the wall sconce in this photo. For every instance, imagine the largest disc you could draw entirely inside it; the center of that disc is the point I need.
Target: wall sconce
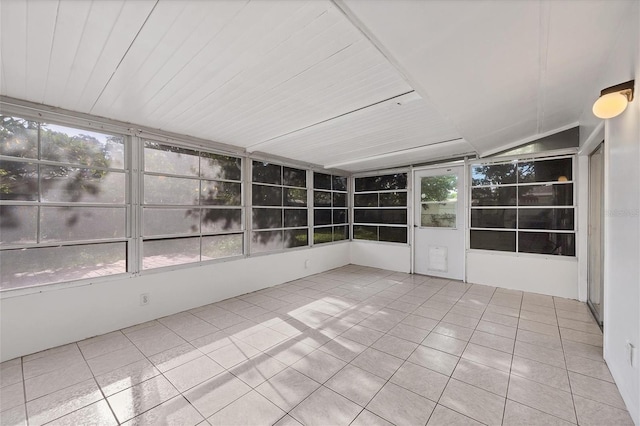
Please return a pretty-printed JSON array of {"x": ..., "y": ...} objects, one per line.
[{"x": 613, "y": 100}]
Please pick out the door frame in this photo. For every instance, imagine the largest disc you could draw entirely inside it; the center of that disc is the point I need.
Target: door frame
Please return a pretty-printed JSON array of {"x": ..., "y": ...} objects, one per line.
[
  {"x": 598, "y": 317},
  {"x": 462, "y": 198}
]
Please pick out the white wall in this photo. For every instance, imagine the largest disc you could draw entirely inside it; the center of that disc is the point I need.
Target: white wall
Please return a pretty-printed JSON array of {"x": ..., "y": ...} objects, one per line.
[
  {"x": 622, "y": 249},
  {"x": 534, "y": 273},
  {"x": 38, "y": 321},
  {"x": 394, "y": 257},
  {"x": 622, "y": 218}
]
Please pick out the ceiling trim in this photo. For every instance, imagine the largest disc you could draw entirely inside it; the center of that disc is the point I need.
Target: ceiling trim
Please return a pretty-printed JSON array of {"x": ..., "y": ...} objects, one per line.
[
  {"x": 528, "y": 139},
  {"x": 390, "y": 154},
  {"x": 256, "y": 146},
  {"x": 357, "y": 23}
]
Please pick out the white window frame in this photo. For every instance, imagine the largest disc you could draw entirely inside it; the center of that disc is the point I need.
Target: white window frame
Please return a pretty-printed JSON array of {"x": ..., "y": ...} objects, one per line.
[{"x": 518, "y": 159}]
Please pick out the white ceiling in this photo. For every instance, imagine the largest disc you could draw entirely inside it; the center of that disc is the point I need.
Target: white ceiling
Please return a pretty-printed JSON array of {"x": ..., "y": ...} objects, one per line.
[{"x": 331, "y": 84}]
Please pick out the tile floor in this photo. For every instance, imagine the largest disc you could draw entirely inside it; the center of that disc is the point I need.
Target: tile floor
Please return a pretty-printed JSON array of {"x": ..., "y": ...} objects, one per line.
[{"x": 355, "y": 345}]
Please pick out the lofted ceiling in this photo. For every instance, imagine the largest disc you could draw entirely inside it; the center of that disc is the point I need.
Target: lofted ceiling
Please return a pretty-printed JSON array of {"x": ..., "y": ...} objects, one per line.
[{"x": 350, "y": 84}]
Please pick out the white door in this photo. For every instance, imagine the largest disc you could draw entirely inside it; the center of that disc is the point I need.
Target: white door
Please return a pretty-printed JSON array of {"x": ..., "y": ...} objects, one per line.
[{"x": 439, "y": 222}]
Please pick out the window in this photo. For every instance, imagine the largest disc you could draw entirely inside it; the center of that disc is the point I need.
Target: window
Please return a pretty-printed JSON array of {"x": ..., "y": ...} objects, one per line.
[
  {"x": 330, "y": 212},
  {"x": 438, "y": 201},
  {"x": 524, "y": 206},
  {"x": 63, "y": 203},
  {"x": 279, "y": 207},
  {"x": 380, "y": 208},
  {"x": 191, "y": 206}
]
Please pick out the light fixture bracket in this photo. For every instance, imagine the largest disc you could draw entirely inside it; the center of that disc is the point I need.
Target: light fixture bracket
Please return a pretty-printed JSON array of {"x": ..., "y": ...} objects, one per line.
[{"x": 626, "y": 89}]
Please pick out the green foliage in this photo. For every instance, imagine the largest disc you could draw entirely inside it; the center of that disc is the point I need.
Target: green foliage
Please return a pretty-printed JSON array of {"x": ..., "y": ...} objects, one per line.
[
  {"x": 25, "y": 181},
  {"x": 439, "y": 188}
]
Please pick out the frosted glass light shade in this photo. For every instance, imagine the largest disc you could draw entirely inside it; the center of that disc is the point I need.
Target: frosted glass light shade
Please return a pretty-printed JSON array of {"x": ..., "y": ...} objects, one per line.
[{"x": 610, "y": 105}]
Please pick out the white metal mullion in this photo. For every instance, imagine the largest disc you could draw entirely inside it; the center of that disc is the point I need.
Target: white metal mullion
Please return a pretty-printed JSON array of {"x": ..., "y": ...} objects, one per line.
[
  {"x": 137, "y": 201},
  {"x": 311, "y": 207},
  {"x": 38, "y": 217},
  {"x": 248, "y": 201}
]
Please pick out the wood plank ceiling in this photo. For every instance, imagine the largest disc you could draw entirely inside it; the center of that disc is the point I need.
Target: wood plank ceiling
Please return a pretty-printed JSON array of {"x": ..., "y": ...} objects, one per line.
[{"x": 307, "y": 80}]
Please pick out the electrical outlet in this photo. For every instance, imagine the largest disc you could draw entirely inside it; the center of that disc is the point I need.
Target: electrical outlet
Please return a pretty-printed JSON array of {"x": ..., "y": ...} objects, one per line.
[{"x": 144, "y": 299}]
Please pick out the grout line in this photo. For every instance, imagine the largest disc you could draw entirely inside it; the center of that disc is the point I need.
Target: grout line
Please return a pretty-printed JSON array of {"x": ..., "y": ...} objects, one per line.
[
  {"x": 513, "y": 354},
  {"x": 24, "y": 390},
  {"x": 460, "y": 357},
  {"x": 564, "y": 357}
]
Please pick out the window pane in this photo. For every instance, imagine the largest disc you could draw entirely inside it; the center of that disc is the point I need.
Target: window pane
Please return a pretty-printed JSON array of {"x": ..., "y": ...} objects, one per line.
[
  {"x": 81, "y": 223},
  {"x": 170, "y": 190},
  {"x": 340, "y": 233},
  {"x": 322, "y": 235},
  {"x": 493, "y": 174},
  {"x": 339, "y": 183},
  {"x": 18, "y": 224},
  {"x": 339, "y": 216},
  {"x": 494, "y": 196},
  {"x": 393, "y": 235},
  {"x": 391, "y": 199},
  {"x": 18, "y": 137},
  {"x": 175, "y": 251},
  {"x": 365, "y": 233},
  {"x": 545, "y": 219},
  {"x": 339, "y": 199},
  {"x": 493, "y": 218},
  {"x": 295, "y": 197},
  {"x": 439, "y": 188},
  {"x": 219, "y": 246},
  {"x": 221, "y": 193},
  {"x": 266, "y": 173},
  {"x": 367, "y": 216},
  {"x": 493, "y": 240},
  {"x": 266, "y": 241},
  {"x": 394, "y": 216},
  {"x": 546, "y": 195},
  {"x": 46, "y": 265},
  {"x": 168, "y": 159},
  {"x": 296, "y": 238},
  {"x": 556, "y": 170},
  {"x": 267, "y": 218},
  {"x": 322, "y": 217},
  {"x": 294, "y": 177},
  {"x": 215, "y": 166},
  {"x": 381, "y": 183},
  {"x": 547, "y": 243},
  {"x": 221, "y": 220},
  {"x": 170, "y": 221},
  {"x": 366, "y": 184},
  {"x": 321, "y": 181},
  {"x": 76, "y": 146},
  {"x": 438, "y": 215},
  {"x": 18, "y": 181},
  {"x": 266, "y": 195},
  {"x": 395, "y": 181},
  {"x": 295, "y": 218},
  {"x": 365, "y": 200},
  {"x": 70, "y": 184},
  {"x": 321, "y": 199}
]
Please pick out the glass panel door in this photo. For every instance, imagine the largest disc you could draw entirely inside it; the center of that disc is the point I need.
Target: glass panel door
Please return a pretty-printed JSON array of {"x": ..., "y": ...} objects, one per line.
[{"x": 596, "y": 205}]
